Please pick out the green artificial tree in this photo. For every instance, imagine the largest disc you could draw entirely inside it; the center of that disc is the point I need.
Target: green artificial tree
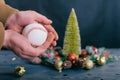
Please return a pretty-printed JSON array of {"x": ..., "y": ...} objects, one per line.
[{"x": 72, "y": 40}]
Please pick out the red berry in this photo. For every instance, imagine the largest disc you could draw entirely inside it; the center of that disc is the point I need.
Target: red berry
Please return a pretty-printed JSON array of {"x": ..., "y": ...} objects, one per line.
[
  {"x": 84, "y": 53},
  {"x": 57, "y": 58},
  {"x": 56, "y": 53}
]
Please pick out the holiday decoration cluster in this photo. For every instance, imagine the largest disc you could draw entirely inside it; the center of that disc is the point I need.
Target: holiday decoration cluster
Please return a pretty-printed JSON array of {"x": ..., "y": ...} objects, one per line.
[
  {"x": 71, "y": 56},
  {"x": 89, "y": 57}
]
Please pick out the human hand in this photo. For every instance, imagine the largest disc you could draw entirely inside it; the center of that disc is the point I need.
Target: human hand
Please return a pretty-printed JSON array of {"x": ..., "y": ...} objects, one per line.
[
  {"x": 19, "y": 20},
  {"x": 23, "y": 48}
]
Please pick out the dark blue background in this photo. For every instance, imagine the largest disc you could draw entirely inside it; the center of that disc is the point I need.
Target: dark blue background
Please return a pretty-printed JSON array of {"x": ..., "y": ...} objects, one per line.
[{"x": 99, "y": 20}]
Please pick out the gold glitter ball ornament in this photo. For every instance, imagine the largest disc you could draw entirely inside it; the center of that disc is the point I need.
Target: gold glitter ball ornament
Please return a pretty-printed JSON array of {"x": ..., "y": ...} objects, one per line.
[
  {"x": 89, "y": 64},
  {"x": 58, "y": 65},
  {"x": 101, "y": 60},
  {"x": 19, "y": 71}
]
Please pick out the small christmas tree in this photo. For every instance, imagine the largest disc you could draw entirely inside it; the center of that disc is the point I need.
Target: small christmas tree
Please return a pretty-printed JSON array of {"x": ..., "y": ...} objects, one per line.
[{"x": 72, "y": 41}]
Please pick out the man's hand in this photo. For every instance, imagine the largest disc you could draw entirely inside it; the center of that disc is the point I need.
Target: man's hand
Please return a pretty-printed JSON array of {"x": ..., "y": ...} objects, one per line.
[
  {"x": 23, "y": 48},
  {"x": 19, "y": 20}
]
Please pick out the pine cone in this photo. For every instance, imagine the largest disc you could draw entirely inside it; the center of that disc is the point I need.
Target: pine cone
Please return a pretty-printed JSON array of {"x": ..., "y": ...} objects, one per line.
[
  {"x": 67, "y": 64},
  {"x": 76, "y": 64}
]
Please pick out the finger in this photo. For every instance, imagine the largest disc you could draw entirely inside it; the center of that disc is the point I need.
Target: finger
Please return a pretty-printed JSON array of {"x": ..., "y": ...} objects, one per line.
[
  {"x": 24, "y": 56},
  {"x": 42, "y": 19},
  {"x": 50, "y": 47},
  {"x": 36, "y": 60},
  {"x": 51, "y": 29},
  {"x": 54, "y": 43}
]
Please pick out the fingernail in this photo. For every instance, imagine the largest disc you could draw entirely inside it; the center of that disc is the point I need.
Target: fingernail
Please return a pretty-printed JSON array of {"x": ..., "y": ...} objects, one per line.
[
  {"x": 36, "y": 60},
  {"x": 50, "y": 21}
]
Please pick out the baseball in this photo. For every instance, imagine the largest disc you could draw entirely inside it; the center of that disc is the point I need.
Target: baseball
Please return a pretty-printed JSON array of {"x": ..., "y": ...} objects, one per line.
[{"x": 36, "y": 33}]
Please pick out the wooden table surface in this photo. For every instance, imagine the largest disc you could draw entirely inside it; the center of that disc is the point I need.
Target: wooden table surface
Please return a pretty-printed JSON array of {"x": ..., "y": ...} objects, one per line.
[{"x": 8, "y": 62}]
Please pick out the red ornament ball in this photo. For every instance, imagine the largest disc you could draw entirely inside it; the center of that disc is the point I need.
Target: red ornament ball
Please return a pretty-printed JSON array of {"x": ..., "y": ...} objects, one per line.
[{"x": 71, "y": 56}]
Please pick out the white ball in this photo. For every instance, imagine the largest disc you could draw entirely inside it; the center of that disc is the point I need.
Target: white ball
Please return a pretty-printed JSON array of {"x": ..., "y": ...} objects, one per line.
[{"x": 36, "y": 33}]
